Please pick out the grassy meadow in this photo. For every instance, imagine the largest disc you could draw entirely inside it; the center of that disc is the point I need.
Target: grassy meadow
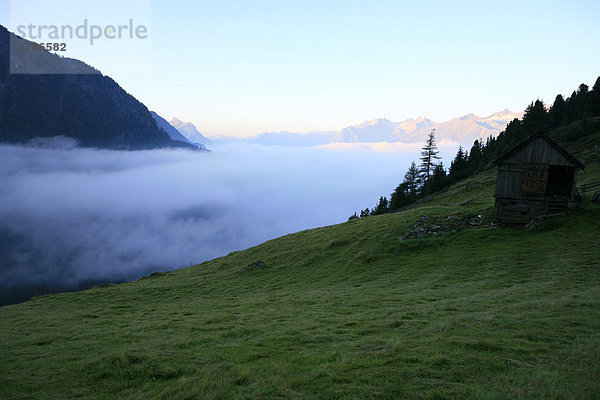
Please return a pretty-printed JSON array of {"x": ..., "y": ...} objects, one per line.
[{"x": 349, "y": 311}]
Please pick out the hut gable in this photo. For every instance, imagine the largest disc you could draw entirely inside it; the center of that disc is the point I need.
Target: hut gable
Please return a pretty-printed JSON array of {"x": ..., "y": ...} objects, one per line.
[
  {"x": 539, "y": 149},
  {"x": 535, "y": 178}
]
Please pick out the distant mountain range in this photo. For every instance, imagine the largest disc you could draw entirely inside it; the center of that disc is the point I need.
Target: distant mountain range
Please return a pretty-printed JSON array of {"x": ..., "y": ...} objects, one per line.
[
  {"x": 463, "y": 130},
  {"x": 190, "y": 132},
  {"x": 55, "y": 96},
  {"x": 173, "y": 133}
]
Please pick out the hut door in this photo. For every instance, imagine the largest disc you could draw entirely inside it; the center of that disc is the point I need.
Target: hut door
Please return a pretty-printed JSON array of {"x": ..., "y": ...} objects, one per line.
[
  {"x": 560, "y": 180},
  {"x": 535, "y": 179}
]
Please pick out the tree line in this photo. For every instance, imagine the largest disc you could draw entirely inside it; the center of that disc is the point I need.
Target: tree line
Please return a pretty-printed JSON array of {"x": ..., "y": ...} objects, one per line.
[{"x": 430, "y": 176}]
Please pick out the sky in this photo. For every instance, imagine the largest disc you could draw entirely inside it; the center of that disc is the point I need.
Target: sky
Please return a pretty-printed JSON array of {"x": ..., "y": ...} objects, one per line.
[{"x": 245, "y": 67}]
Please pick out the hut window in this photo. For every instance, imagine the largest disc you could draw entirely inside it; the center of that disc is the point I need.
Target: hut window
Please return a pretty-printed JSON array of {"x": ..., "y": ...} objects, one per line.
[{"x": 534, "y": 180}]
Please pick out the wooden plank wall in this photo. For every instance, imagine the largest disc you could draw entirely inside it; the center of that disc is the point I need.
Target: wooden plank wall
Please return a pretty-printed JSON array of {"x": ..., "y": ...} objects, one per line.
[
  {"x": 512, "y": 204},
  {"x": 539, "y": 152},
  {"x": 509, "y": 181}
]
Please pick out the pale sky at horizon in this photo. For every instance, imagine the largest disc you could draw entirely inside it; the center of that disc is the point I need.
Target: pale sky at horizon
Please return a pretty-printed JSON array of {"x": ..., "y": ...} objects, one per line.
[{"x": 244, "y": 67}]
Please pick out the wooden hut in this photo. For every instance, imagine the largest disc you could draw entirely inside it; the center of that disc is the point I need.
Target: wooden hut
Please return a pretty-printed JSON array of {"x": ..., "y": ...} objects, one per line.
[{"x": 535, "y": 178}]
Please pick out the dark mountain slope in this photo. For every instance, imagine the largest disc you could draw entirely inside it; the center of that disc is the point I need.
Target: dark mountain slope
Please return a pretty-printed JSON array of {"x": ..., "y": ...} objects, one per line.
[{"x": 86, "y": 106}]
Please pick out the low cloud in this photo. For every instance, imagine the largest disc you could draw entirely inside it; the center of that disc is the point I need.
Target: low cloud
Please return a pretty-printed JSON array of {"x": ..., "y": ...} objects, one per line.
[
  {"x": 389, "y": 147},
  {"x": 72, "y": 217}
]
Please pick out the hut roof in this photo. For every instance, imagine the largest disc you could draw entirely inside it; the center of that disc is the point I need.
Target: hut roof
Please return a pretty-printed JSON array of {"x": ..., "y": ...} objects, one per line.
[{"x": 531, "y": 138}]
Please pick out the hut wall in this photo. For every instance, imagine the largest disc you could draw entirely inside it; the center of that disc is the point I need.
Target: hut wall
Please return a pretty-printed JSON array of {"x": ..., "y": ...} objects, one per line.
[
  {"x": 538, "y": 152},
  {"x": 509, "y": 181},
  {"x": 524, "y": 187}
]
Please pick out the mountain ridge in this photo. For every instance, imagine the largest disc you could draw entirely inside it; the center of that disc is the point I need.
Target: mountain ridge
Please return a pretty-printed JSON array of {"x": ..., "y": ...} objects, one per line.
[
  {"x": 463, "y": 130},
  {"x": 70, "y": 99},
  {"x": 190, "y": 132},
  {"x": 173, "y": 133}
]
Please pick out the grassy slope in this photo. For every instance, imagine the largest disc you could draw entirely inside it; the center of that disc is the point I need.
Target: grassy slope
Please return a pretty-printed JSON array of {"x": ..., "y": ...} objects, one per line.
[{"x": 346, "y": 311}]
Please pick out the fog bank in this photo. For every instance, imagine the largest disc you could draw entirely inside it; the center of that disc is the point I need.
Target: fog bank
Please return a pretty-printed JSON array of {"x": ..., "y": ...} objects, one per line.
[{"x": 73, "y": 217}]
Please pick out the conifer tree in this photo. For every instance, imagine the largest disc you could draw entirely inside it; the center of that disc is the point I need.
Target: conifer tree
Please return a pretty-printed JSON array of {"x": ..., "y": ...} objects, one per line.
[
  {"x": 570, "y": 107},
  {"x": 429, "y": 156},
  {"x": 475, "y": 156},
  {"x": 382, "y": 207},
  {"x": 575, "y": 105},
  {"x": 557, "y": 111},
  {"x": 400, "y": 197},
  {"x": 412, "y": 180},
  {"x": 439, "y": 180},
  {"x": 535, "y": 118},
  {"x": 458, "y": 166},
  {"x": 593, "y": 100}
]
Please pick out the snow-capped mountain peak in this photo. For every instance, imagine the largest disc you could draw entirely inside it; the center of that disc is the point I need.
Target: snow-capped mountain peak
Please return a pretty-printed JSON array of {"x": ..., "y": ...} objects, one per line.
[
  {"x": 190, "y": 131},
  {"x": 462, "y": 130}
]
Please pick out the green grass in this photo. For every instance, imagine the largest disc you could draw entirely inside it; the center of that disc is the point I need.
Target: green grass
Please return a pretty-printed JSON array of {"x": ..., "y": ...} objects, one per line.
[{"x": 349, "y": 311}]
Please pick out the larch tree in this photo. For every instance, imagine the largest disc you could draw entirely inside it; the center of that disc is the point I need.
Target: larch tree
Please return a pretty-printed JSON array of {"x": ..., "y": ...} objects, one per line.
[{"x": 429, "y": 157}]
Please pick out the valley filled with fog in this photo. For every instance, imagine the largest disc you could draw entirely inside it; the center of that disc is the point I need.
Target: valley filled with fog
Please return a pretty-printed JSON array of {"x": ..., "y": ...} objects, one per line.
[{"x": 73, "y": 217}]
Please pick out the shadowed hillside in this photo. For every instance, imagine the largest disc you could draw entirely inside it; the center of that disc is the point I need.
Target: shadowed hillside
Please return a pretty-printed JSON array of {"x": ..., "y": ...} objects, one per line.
[
  {"x": 76, "y": 101},
  {"x": 354, "y": 310}
]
